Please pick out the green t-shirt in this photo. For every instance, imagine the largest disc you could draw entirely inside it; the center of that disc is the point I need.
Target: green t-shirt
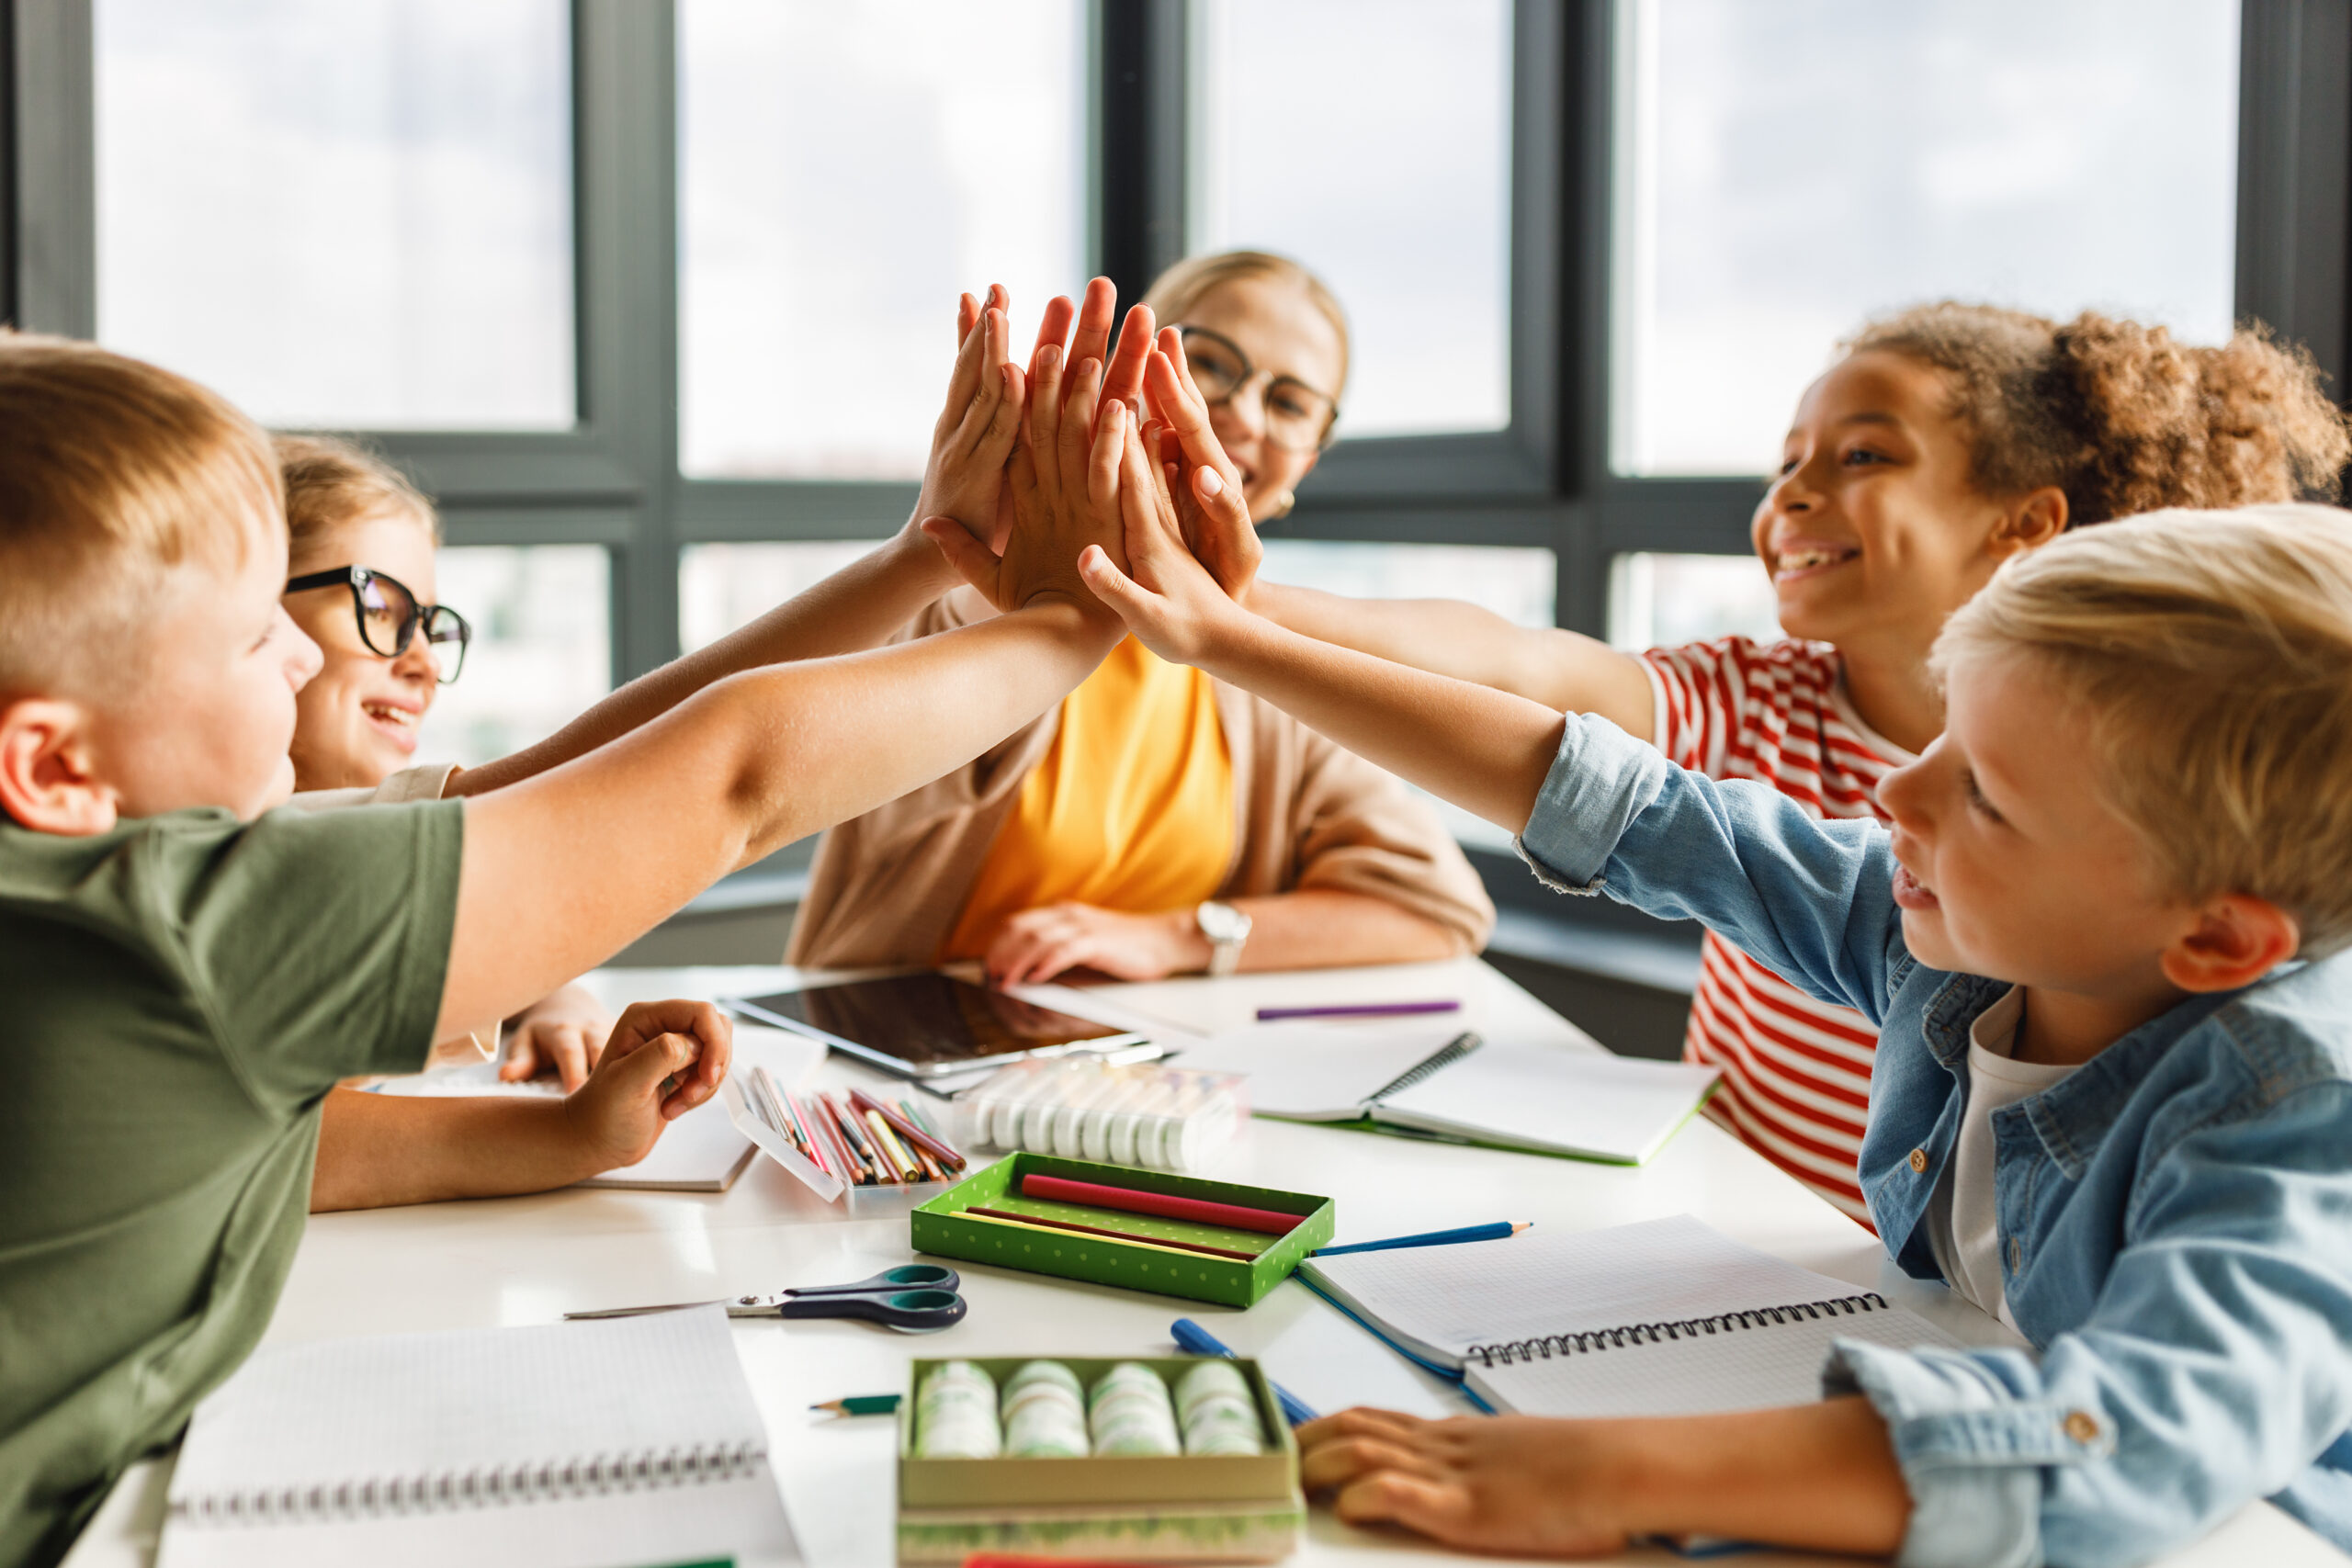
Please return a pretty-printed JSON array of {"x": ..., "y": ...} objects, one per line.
[{"x": 176, "y": 997}]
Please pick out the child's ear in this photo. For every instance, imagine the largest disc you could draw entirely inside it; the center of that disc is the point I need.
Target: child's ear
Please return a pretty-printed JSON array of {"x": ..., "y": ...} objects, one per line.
[
  {"x": 46, "y": 781},
  {"x": 2237, "y": 940},
  {"x": 2030, "y": 522}
]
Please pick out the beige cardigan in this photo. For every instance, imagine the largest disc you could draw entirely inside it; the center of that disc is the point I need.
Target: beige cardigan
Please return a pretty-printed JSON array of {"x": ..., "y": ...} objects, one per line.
[{"x": 889, "y": 886}]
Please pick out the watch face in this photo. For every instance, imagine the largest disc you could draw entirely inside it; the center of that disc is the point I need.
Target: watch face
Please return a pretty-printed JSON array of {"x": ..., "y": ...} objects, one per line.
[{"x": 1222, "y": 922}]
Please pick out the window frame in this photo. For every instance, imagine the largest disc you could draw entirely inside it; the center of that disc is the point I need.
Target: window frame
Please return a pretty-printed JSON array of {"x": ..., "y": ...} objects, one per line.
[{"x": 1545, "y": 480}]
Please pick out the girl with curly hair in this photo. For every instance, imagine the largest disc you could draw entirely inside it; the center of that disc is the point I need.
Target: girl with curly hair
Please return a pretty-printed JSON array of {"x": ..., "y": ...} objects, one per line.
[{"x": 1941, "y": 442}]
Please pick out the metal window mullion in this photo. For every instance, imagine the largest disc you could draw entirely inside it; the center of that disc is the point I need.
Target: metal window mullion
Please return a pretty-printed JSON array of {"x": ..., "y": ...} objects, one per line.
[
  {"x": 54, "y": 142},
  {"x": 2295, "y": 173}
]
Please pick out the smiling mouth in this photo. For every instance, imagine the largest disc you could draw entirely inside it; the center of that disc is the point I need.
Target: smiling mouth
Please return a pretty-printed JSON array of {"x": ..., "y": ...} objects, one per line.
[
  {"x": 384, "y": 713},
  {"x": 1807, "y": 559},
  {"x": 1911, "y": 893}
]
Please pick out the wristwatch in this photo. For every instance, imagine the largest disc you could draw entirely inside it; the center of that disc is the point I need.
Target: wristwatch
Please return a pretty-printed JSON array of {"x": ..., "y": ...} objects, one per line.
[{"x": 1227, "y": 929}]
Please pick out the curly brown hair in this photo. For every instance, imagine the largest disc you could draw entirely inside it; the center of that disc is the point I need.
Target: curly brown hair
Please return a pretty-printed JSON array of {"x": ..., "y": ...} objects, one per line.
[{"x": 2121, "y": 417}]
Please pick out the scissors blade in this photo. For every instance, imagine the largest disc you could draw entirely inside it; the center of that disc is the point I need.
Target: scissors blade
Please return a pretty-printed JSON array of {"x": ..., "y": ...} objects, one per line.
[
  {"x": 636, "y": 1312},
  {"x": 737, "y": 1306}
]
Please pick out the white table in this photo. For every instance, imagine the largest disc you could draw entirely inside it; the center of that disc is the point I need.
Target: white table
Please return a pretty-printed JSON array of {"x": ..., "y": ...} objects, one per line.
[{"x": 525, "y": 1260}]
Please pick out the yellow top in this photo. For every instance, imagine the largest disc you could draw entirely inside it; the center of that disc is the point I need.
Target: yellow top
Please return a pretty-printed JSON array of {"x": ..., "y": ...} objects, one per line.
[{"x": 1131, "y": 808}]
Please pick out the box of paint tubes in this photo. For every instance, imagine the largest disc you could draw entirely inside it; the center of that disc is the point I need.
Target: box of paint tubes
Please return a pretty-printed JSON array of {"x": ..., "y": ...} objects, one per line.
[
  {"x": 1083, "y": 1108},
  {"x": 1153, "y": 1459}
]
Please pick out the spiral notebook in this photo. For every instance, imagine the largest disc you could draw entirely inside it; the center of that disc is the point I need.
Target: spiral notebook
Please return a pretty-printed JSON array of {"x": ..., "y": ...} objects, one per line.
[
  {"x": 576, "y": 1445},
  {"x": 1667, "y": 1317},
  {"x": 1551, "y": 1098}
]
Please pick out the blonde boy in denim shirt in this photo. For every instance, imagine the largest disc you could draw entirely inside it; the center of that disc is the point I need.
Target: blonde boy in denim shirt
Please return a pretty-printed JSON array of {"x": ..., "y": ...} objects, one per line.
[{"x": 2120, "y": 874}]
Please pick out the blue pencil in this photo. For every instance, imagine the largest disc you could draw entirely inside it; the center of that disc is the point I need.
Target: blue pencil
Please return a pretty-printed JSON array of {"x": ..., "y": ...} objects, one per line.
[
  {"x": 1495, "y": 1232},
  {"x": 1194, "y": 1340}
]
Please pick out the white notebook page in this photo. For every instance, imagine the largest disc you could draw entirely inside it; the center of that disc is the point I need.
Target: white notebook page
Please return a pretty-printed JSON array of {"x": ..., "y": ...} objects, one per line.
[
  {"x": 1322, "y": 1071},
  {"x": 1548, "y": 1282},
  {"x": 402, "y": 1405},
  {"x": 1555, "y": 1096},
  {"x": 1741, "y": 1369}
]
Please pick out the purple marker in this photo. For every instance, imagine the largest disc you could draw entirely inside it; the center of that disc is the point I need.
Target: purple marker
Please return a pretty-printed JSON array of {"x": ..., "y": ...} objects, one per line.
[{"x": 1358, "y": 1009}]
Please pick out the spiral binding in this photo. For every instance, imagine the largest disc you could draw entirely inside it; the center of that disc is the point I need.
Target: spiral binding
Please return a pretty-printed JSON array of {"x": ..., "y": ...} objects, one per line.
[
  {"x": 1460, "y": 1047},
  {"x": 545, "y": 1481},
  {"x": 1631, "y": 1333}
]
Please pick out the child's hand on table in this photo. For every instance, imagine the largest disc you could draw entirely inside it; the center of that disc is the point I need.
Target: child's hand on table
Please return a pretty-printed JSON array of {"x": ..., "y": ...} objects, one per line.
[
  {"x": 664, "y": 1058},
  {"x": 563, "y": 1033},
  {"x": 1512, "y": 1484}
]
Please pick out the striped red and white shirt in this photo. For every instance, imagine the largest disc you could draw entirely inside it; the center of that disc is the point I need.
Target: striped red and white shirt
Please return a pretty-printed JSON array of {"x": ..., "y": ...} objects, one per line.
[{"x": 1796, "y": 1072}]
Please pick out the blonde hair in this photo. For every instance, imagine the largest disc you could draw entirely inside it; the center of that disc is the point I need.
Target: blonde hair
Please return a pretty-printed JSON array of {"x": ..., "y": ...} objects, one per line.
[
  {"x": 1194, "y": 278},
  {"x": 113, "y": 475},
  {"x": 2211, "y": 652},
  {"x": 330, "y": 481}
]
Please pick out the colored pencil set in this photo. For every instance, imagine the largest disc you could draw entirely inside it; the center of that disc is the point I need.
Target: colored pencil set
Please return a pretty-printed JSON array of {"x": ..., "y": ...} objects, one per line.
[
  {"x": 1129, "y": 1201},
  {"x": 857, "y": 1138}
]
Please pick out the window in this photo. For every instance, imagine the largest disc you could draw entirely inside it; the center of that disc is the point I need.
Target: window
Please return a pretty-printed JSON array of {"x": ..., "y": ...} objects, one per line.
[
  {"x": 355, "y": 215},
  {"x": 1515, "y": 583},
  {"x": 1665, "y": 601},
  {"x": 1371, "y": 141},
  {"x": 723, "y": 587},
  {"x": 844, "y": 172},
  {"x": 541, "y": 650},
  {"x": 1781, "y": 175}
]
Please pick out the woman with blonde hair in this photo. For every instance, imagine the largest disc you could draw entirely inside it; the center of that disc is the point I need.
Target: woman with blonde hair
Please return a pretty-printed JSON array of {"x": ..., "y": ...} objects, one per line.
[{"x": 1161, "y": 822}]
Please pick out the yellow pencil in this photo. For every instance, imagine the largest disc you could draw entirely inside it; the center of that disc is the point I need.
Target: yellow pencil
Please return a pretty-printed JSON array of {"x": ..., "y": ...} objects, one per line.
[
  {"x": 891, "y": 1147},
  {"x": 1066, "y": 1235}
]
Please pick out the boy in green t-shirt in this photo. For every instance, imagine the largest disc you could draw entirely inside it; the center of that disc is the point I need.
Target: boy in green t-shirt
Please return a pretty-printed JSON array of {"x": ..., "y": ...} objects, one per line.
[{"x": 187, "y": 976}]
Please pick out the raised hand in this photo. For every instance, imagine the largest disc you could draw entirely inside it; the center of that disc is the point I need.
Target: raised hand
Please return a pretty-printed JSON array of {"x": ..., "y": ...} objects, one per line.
[
  {"x": 977, "y": 426},
  {"x": 1169, "y": 601},
  {"x": 1065, "y": 483},
  {"x": 1207, "y": 487}
]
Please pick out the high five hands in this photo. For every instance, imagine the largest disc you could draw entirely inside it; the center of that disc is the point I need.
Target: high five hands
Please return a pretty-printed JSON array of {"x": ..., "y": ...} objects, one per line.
[{"x": 1094, "y": 476}]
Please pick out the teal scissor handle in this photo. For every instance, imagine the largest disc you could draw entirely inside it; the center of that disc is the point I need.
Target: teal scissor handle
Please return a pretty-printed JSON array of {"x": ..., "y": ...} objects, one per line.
[
  {"x": 917, "y": 1311},
  {"x": 905, "y": 1277}
]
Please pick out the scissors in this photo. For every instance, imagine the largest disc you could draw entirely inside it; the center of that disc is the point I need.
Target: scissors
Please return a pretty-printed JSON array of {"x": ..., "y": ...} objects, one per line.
[{"x": 915, "y": 1298}]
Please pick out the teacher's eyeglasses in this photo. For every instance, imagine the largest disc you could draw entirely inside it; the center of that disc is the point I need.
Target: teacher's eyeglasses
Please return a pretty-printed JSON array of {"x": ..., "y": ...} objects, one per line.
[
  {"x": 1298, "y": 418},
  {"x": 389, "y": 617}
]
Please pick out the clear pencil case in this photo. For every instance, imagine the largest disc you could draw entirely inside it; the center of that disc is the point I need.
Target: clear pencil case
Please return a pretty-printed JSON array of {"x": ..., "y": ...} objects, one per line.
[{"x": 1141, "y": 1114}]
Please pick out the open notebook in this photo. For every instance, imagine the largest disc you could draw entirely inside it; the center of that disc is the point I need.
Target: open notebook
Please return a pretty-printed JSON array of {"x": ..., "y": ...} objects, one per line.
[
  {"x": 577, "y": 1445},
  {"x": 1667, "y": 1317},
  {"x": 1550, "y": 1098}
]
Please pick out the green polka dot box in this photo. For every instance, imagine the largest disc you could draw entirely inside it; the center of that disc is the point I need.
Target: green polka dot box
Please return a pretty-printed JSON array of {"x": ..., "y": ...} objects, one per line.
[{"x": 943, "y": 1228}]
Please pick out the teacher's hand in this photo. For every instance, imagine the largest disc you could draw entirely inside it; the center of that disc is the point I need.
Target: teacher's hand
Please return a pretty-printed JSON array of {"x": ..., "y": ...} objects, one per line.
[{"x": 1037, "y": 944}]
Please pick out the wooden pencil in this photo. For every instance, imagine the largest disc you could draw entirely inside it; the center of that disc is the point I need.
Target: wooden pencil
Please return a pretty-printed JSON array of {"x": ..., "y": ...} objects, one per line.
[{"x": 1115, "y": 1235}]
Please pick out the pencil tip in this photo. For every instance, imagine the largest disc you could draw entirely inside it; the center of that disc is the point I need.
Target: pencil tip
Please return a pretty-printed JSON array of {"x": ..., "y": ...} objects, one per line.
[{"x": 1522, "y": 1225}]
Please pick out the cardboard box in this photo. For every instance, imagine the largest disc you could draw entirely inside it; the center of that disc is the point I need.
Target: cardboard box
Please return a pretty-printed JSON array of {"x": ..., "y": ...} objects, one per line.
[
  {"x": 1189, "y": 1508},
  {"x": 941, "y": 1227}
]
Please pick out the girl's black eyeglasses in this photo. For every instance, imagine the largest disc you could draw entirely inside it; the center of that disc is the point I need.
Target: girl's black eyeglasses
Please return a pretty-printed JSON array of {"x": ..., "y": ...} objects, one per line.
[{"x": 389, "y": 616}]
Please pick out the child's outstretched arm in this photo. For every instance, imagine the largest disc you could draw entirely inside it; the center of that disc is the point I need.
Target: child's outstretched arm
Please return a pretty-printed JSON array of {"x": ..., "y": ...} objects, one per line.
[
  {"x": 1822, "y": 1476},
  {"x": 864, "y": 601},
  {"x": 377, "y": 1150},
  {"x": 1562, "y": 671},
  {"x": 1486, "y": 750},
  {"x": 563, "y": 870}
]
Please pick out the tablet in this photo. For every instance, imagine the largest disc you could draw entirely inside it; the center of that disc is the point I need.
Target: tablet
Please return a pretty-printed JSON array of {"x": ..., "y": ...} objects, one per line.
[{"x": 931, "y": 1025}]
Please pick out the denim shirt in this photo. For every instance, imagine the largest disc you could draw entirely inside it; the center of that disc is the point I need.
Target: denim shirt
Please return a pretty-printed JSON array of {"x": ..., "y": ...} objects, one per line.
[{"x": 2176, "y": 1217}]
